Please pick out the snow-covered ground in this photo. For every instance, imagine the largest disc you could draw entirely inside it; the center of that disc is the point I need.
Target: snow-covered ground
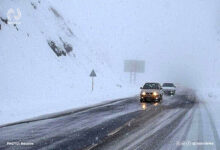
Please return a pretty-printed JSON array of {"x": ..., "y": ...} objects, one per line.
[
  {"x": 35, "y": 80},
  {"x": 211, "y": 98}
]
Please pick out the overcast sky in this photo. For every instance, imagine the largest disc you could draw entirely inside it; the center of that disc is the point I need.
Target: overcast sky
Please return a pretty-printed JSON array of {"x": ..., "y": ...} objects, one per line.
[{"x": 179, "y": 40}]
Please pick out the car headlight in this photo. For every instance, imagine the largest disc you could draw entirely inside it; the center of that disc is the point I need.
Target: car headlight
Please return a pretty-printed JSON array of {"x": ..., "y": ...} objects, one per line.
[
  {"x": 155, "y": 93},
  {"x": 143, "y": 93}
]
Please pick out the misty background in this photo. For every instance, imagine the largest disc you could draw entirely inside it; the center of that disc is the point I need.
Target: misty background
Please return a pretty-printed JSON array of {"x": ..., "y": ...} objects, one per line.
[{"x": 179, "y": 40}]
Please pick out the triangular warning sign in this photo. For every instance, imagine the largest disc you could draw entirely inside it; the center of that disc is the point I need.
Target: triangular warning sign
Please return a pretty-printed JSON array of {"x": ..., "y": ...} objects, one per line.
[{"x": 93, "y": 74}]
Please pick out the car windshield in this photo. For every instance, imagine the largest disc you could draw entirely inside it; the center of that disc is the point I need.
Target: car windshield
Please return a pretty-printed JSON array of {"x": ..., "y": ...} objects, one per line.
[
  {"x": 151, "y": 86},
  {"x": 168, "y": 85}
]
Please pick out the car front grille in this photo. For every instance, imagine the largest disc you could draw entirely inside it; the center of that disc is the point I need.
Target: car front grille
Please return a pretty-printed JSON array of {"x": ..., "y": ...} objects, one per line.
[{"x": 149, "y": 94}]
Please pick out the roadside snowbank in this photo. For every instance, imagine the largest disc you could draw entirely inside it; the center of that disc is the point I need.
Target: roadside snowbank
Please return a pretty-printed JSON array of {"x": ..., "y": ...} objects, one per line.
[
  {"x": 18, "y": 110},
  {"x": 211, "y": 97}
]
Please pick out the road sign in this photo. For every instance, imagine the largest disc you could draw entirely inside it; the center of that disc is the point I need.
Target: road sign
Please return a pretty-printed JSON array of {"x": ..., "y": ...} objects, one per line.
[
  {"x": 92, "y": 74},
  {"x": 133, "y": 67}
]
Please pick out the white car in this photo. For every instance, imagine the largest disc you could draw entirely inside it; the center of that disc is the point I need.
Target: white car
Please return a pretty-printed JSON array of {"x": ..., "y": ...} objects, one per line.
[
  {"x": 169, "y": 88},
  {"x": 151, "y": 92}
]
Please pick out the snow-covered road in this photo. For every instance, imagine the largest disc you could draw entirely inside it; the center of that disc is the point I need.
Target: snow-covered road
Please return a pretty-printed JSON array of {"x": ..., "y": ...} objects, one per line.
[
  {"x": 179, "y": 122},
  {"x": 197, "y": 130}
]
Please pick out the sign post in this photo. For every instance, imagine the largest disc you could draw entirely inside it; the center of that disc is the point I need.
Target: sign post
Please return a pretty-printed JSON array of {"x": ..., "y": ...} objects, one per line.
[{"x": 92, "y": 75}]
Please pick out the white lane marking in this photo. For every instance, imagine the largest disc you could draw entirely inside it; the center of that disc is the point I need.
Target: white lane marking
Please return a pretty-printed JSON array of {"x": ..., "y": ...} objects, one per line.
[
  {"x": 115, "y": 131},
  {"x": 91, "y": 146},
  {"x": 118, "y": 129}
]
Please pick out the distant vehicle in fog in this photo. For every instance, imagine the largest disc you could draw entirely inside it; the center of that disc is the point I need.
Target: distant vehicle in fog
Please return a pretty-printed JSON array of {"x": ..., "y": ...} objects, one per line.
[
  {"x": 169, "y": 88},
  {"x": 151, "y": 92}
]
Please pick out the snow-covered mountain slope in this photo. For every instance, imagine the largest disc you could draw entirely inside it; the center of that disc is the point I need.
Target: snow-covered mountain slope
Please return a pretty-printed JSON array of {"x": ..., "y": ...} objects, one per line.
[{"x": 46, "y": 61}]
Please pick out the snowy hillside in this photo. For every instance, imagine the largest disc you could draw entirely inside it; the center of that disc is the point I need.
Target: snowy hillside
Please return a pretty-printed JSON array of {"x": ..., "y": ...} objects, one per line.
[{"x": 46, "y": 63}]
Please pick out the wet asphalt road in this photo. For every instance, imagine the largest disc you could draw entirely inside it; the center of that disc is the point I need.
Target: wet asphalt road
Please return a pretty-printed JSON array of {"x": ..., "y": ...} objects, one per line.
[{"x": 122, "y": 124}]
